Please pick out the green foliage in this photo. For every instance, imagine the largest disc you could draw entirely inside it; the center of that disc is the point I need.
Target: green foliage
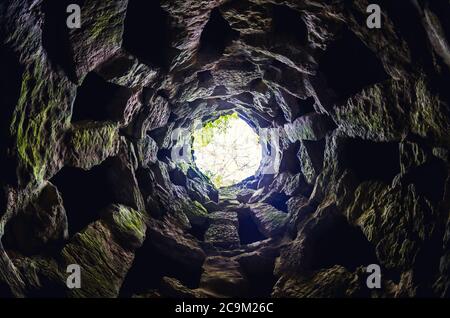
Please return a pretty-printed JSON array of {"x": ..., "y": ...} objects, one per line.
[
  {"x": 203, "y": 136},
  {"x": 130, "y": 221},
  {"x": 218, "y": 179},
  {"x": 226, "y": 150},
  {"x": 39, "y": 96}
]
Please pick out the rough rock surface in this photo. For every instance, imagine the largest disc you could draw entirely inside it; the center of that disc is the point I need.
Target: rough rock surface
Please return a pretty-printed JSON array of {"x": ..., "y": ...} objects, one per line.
[
  {"x": 43, "y": 223},
  {"x": 268, "y": 219},
  {"x": 222, "y": 277},
  {"x": 223, "y": 230}
]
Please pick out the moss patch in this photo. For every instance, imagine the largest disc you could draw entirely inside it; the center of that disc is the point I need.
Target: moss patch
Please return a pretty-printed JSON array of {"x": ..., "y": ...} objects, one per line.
[
  {"x": 105, "y": 24},
  {"x": 92, "y": 143},
  {"x": 195, "y": 212},
  {"x": 103, "y": 262},
  {"x": 35, "y": 122},
  {"x": 130, "y": 222}
]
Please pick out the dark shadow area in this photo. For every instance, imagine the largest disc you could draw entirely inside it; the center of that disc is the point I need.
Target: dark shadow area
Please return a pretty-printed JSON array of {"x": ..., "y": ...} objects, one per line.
[
  {"x": 49, "y": 288},
  {"x": 407, "y": 21},
  {"x": 5, "y": 291},
  {"x": 220, "y": 90},
  {"x": 98, "y": 100},
  {"x": 84, "y": 193},
  {"x": 335, "y": 241},
  {"x": 117, "y": 66},
  {"x": 150, "y": 265},
  {"x": 246, "y": 98},
  {"x": 427, "y": 264},
  {"x": 55, "y": 35},
  {"x": 147, "y": 33},
  {"x": 304, "y": 106},
  {"x": 205, "y": 79},
  {"x": 177, "y": 177},
  {"x": 216, "y": 36},
  {"x": 372, "y": 160},
  {"x": 279, "y": 201},
  {"x": 198, "y": 231},
  {"x": 248, "y": 231},
  {"x": 316, "y": 151},
  {"x": 288, "y": 25},
  {"x": 261, "y": 285},
  {"x": 348, "y": 66},
  {"x": 39, "y": 227},
  {"x": 164, "y": 155},
  {"x": 3, "y": 202},
  {"x": 289, "y": 161},
  {"x": 429, "y": 179}
]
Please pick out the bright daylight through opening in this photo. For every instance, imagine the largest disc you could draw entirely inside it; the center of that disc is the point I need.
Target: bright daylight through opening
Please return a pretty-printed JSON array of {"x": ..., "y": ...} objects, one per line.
[{"x": 227, "y": 150}]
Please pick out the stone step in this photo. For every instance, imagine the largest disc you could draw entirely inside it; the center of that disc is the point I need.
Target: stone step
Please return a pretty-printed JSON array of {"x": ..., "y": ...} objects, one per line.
[
  {"x": 269, "y": 220},
  {"x": 223, "y": 236},
  {"x": 223, "y": 277},
  {"x": 223, "y": 230},
  {"x": 227, "y": 204},
  {"x": 221, "y": 217}
]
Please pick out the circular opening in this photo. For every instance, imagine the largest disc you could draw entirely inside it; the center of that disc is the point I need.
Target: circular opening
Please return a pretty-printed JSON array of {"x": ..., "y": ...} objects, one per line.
[{"x": 227, "y": 150}]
